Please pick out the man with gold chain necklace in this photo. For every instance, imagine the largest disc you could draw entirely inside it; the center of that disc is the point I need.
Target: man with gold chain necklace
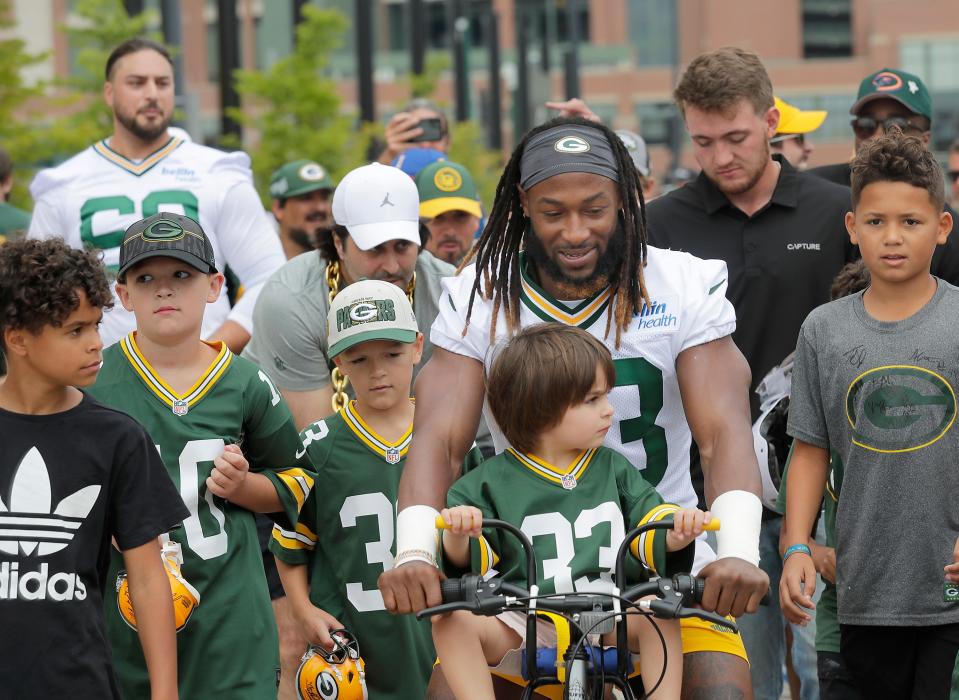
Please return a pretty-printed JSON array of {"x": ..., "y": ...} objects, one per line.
[{"x": 376, "y": 235}]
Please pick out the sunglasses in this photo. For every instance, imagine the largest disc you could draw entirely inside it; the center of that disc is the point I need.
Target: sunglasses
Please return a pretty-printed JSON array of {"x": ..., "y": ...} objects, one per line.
[
  {"x": 779, "y": 138},
  {"x": 865, "y": 127}
]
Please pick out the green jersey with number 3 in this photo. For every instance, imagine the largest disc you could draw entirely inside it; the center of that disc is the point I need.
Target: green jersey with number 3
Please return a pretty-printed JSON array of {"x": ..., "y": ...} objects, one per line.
[
  {"x": 228, "y": 649},
  {"x": 689, "y": 307},
  {"x": 576, "y": 516},
  {"x": 345, "y": 535}
]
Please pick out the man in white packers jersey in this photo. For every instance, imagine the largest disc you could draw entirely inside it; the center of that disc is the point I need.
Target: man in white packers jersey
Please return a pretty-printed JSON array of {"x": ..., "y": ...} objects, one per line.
[
  {"x": 141, "y": 169},
  {"x": 571, "y": 202}
]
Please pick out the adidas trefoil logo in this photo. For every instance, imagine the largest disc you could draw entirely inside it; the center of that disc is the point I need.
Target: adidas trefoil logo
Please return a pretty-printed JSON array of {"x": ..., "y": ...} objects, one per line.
[{"x": 29, "y": 524}]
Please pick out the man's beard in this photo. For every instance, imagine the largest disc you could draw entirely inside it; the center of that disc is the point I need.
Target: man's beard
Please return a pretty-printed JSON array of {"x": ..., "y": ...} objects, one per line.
[
  {"x": 303, "y": 238},
  {"x": 572, "y": 287},
  {"x": 143, "y": 133},
  {"x": 753, "y": 177}
]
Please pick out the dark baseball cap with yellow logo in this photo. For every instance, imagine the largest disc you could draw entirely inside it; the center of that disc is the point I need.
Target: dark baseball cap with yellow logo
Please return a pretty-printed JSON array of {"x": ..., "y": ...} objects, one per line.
[
  {"x": 170, "y": 236},
  {"x": 446, "y": 186}
]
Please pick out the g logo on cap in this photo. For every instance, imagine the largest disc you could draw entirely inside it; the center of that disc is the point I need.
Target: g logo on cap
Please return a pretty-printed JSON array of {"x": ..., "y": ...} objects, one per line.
[
  {"x": 571, "y": 144},
  {"x": 363, "y": 312},
  {"x": 447, "y": 180},
  {"x": 163, "y": 230},
  {"x": 311, "y": 172}
]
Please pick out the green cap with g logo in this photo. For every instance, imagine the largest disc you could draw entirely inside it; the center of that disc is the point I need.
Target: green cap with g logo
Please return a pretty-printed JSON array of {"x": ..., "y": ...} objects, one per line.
[
  {"x": 369, "y": 310},
  {"x": 299, "y": 177},
  {"x": 167, "y": 235}
]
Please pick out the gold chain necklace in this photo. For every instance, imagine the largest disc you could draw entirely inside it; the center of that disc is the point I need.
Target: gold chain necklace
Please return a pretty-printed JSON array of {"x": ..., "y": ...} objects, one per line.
[{"x": 337, "y": 378}]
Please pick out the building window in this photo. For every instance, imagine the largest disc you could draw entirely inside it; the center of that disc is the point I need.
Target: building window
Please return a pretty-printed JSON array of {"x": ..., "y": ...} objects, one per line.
[
  {"x": 436, "y": 13},
  {"x": 653, "y": 32},
  {"x": 827, "y": 28}
]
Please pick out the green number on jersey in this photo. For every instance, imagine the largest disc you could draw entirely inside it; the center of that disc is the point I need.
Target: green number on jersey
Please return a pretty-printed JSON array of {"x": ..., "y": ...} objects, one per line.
[
  {"x": 639, "y": 372},
  {"x": 123, "y": 205}
]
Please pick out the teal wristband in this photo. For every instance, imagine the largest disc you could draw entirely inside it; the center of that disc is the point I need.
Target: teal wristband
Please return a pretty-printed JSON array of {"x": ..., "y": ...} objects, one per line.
[{"x": 796, "y": 548}]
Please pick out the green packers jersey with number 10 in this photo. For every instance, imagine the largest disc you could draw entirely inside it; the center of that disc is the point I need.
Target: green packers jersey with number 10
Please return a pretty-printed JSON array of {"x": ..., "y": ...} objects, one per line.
[
  {"x": 92, "y": 198},
  {"x": 689, "y": 307},
  {"x": 228, "y": 649},
  {"x": 576, "y": 517},
  {"x": 345, "y": 535}
]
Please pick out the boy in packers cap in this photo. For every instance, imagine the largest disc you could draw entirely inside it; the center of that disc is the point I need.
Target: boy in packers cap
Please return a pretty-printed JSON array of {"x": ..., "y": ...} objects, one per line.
[
  {"x": 359, "y": 454},
  {"x": 198, "y": 401}
]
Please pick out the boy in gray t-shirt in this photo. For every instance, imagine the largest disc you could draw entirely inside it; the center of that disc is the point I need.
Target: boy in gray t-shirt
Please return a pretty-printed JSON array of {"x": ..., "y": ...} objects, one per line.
[{"x": 875, "y": 379}]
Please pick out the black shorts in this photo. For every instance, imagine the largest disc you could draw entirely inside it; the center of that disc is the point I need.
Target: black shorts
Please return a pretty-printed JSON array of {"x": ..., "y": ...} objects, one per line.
[
  {"x": 901, "y": 663},
  {"x": 264, "y": 529}
]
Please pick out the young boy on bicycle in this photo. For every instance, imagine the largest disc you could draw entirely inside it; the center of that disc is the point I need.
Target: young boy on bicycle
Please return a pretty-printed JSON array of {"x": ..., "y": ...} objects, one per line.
[
  {"x": 573, "y": 497},
  {"x": 875, "y": 380}
]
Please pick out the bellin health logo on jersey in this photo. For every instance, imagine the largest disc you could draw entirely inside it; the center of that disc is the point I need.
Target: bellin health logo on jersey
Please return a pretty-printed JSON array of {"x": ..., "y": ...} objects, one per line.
[
  {"x": 40, "y": 530},
  {"x": 657, "y": 316}
]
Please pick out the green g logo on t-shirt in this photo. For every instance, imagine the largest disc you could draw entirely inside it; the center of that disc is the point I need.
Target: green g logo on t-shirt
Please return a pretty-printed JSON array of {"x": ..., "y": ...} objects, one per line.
[{"x": 899, "y": 408}]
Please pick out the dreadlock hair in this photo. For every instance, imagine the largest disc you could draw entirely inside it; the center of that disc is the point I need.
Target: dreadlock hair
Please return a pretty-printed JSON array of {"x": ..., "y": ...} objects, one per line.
[{"x": 496, "y": 252}]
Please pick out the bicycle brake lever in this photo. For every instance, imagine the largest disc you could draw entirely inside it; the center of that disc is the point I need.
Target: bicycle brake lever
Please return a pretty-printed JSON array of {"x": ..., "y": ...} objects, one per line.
[{"x": 442, "y": 609}]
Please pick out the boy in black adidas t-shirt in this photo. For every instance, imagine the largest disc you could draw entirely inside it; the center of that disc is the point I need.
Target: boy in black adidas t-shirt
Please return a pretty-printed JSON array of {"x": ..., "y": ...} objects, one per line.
[{"x": 73, "y": 474}]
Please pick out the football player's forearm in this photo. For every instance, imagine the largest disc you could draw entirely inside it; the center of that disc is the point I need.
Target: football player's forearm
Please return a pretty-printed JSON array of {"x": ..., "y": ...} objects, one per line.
[
  {"x": 808, "y": 468},
  {"x": 258, "y": 494},
  {"x": 156, "y": 628}
]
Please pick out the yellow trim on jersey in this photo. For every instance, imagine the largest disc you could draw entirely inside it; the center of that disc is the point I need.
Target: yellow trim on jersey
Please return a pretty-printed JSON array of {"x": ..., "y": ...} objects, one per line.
[
  {"x": 642, "y": 546},
  {"x": 488, "y": 558},
  {"x": 542, "y": 468},
  {"x": 301, "y": 539},
  {"x": 298, "y": 482},
  {"x": 369, "y": 437},
  {"x": 562, "y": 314},
  {"x": 139, "y": 167},
  {"x": 163, "y": 390}
]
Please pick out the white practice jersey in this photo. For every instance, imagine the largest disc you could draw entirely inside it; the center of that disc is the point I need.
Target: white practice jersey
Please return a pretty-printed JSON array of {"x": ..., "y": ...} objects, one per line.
[
  {"x": 689, "y": 307},
  {"x": 92, "y": 198}
]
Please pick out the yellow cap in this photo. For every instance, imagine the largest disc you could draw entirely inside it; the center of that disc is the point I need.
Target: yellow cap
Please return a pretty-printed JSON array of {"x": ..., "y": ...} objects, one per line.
[{"x": 793, "y": 120}]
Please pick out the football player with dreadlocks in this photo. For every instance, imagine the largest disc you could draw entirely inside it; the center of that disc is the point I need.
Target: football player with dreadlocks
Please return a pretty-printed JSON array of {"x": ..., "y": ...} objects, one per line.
[{"x": 566, "y": 243}]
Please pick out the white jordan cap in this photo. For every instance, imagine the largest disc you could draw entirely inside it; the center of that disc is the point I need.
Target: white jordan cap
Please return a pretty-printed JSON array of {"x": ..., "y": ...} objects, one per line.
[{"x": 378, "y": 203}]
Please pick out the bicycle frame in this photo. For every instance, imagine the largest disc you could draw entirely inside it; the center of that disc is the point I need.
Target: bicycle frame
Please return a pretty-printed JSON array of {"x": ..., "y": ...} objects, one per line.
[{"x": 495, "y": 596}]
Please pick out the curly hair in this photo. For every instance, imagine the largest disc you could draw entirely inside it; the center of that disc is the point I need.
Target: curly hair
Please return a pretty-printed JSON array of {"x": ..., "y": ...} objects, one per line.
[
  {"x": 852, "y": 278},
  {"x": 895, "y": 157},
  {"x": 496, "y": 251},
  {"x": 40, "y": 280}
]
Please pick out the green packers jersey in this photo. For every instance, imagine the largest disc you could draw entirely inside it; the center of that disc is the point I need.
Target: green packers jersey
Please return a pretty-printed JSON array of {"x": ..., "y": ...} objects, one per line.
[
  {"x": 228, "y": 649},
  {"x": 345, "y": 534},
  {"x": 576, "y": 518}
]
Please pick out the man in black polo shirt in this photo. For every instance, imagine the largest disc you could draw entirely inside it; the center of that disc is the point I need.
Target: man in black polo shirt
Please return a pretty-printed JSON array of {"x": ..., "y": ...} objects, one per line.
[
  {"x": 894, "y": 98},
  {"x": 782, "y": 235}
]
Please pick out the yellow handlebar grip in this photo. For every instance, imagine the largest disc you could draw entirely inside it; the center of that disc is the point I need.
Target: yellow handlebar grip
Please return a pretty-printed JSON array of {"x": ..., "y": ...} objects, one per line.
[
  {"x": 712, "y": 525},
  {"x": 440, "y": 523}
]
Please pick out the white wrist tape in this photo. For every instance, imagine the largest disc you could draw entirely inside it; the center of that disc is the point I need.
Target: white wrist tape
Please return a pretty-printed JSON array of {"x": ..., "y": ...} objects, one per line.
[
  {"x": 416, "y": 535},
  {"x": 741, "y": 515}
]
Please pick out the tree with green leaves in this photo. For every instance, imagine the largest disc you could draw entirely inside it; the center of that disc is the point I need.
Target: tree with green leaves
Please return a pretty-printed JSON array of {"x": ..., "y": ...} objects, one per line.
[{"x": 293, "y": 109}]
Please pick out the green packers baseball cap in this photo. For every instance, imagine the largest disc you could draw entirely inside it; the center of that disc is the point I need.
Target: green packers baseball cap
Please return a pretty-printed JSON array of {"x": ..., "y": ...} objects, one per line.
[
  {"x": 369, "y": 310},
  {"x": 299, "y": 177},
  {"x": 170, "y": 236},
  {"x": 903, "y": 87},
  {"x": 446, "y": 186}
]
